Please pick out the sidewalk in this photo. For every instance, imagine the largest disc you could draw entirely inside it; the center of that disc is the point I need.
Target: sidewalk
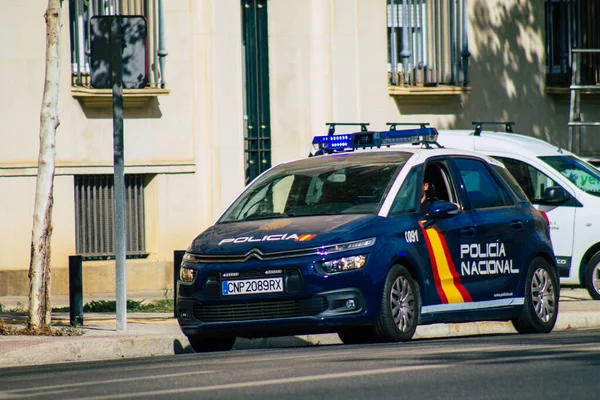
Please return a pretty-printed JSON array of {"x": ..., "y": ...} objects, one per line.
[{"x": 155, "y": 334}]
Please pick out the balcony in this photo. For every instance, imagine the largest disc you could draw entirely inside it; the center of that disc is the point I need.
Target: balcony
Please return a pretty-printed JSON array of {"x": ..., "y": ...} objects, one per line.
[{"x": 82, "y": 85}]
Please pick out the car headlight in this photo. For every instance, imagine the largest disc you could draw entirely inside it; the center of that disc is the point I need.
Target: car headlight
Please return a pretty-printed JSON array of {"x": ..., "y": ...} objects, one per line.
[
  {"x": 343, "y": 264},
  {"x": 187, "y": 274},
  {"x": 336, "y": 248}
]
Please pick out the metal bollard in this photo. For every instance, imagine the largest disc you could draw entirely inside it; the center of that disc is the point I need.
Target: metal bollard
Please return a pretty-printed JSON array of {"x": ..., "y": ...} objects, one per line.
[
  {"x": 177, "y": 259},
  {"x": 75, "y": 291}
]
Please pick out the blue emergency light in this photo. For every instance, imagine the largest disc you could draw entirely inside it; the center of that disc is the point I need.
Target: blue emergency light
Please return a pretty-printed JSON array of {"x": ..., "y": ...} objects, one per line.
[{"x": 369, "y": 139}]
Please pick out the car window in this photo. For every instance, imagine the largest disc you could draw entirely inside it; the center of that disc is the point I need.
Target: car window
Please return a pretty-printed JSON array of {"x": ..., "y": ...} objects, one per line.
[
  {"x": 482, "y": 189},
  {"x": 331, "y": 188},
  {"x": 530, "y": 179},
  {"x": 511, "y": 181},
  {"x": 582, "y": 175},
  {"x": 440, "y": 185},
  {"x": 406, "y": 199}
]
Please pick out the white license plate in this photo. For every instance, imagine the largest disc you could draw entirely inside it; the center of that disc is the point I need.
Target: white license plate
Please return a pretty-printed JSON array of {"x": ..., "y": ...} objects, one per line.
[{"x": 250, "y": 286}]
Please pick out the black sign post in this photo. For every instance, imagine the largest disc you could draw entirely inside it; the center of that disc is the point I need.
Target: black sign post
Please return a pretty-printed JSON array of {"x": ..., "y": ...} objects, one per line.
[{"x": 118, "y": 58}]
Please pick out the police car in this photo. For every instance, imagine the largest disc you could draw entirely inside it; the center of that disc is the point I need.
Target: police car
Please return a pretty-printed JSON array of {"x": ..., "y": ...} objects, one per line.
[
  {"x": 557, "y": 182},
  {"x": 338, "y": 243}
]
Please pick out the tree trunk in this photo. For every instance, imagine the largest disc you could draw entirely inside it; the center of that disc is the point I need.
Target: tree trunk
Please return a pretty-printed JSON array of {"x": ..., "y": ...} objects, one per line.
[{"x": 39, "y": 266}]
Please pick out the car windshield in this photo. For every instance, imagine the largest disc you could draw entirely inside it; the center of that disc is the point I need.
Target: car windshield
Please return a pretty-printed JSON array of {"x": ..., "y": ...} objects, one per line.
[
  {"x": 582, "y": 175},
  {"x": 318, "y": 186}
]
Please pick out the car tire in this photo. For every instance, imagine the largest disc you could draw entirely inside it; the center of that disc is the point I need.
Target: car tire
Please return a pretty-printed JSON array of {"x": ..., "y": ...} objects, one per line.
[
  {"x": 592, "y": 277},
  {"x": 540, "y": 308},
  {"x": 400, "y": 307},
  {"x": 358, "y": 335},
  {"x": 203, "y": 344}
]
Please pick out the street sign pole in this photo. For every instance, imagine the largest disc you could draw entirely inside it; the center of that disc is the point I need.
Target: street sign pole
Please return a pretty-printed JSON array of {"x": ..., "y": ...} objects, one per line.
[{"x": 119, "y": 169}]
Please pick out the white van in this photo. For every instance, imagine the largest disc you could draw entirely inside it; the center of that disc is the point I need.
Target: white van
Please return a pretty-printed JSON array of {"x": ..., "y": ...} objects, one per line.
[{"x": 558, "y": 183}]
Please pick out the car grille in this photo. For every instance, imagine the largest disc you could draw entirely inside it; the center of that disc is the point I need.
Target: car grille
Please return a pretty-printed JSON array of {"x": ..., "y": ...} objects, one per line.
[{"x": 264, "y": 310}]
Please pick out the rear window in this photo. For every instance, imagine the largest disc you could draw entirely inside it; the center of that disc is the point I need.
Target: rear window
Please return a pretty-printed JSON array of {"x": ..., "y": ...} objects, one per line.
[{"x": 511, "y": 182}]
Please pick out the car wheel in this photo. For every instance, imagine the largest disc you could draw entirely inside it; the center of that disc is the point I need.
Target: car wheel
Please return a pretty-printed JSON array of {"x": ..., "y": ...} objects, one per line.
[
  {"x": 400, "y": 307},
  {"x": 592, "y": 277},
  {"x": 540, "y": 308},
  {"x": 357, "y": 335},
  {"x": 202, "y": 344}
]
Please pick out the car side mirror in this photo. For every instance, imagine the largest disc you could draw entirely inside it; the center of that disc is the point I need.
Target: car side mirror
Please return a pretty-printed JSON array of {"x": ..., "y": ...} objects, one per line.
[
  {"x": 556, "y": 195},
  {"x": 440, "y": 209}
]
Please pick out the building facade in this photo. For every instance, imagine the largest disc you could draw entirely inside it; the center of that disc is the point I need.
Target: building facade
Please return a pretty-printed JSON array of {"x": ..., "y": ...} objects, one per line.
[{"x": 236, "y": 86}]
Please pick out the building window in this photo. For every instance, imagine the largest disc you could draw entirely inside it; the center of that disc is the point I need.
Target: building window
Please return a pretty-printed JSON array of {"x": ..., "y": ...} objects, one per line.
[
  {"x": 94, "y": 216},
  {"x": 427, "y": 42},
  {"x": 571, "y": 24},
  {"x": 80, "y": 12}
]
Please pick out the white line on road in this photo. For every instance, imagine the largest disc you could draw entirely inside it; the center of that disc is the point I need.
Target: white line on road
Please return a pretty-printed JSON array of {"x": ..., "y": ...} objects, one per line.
[
  {"x": 239, "y": 385},
  {"x": 4, "y": 393}
]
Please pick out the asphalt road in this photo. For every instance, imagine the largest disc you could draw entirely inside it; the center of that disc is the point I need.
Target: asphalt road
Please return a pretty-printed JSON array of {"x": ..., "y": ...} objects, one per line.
[{"x": 561, "y": 365}]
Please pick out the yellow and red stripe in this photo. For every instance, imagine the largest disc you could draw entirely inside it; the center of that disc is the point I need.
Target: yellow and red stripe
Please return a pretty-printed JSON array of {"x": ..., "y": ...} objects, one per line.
[
  {"x": 306, "y": 238},
  {"x": 447, "y": 281}
]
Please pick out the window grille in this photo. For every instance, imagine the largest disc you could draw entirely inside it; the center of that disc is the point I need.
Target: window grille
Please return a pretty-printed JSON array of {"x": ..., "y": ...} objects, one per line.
[
  {"x": 572, "y": 24},
  {"x": 80, "y": 12},
  {"x": 94, "y": 216},
  {"x": 427, "y": 42}
]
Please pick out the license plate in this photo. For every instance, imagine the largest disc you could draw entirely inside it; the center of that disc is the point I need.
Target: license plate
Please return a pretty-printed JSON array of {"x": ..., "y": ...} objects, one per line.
[{"x": 250, "y": 286}]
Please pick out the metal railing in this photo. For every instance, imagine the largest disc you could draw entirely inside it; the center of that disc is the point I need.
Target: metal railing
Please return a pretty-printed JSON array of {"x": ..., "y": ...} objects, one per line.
[
  {"x": 81, "y": 11},
  {"x": 572, "y": 24},
  {"x": 428, "y": 42}
]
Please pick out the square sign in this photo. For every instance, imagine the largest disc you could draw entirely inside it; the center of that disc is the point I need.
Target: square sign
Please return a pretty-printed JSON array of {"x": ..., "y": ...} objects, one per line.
[{"x": 134, "y": 53}]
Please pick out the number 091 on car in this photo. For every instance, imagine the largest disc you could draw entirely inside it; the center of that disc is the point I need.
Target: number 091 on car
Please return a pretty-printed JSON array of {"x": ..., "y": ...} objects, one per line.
[{"x": 249, "y": 286}]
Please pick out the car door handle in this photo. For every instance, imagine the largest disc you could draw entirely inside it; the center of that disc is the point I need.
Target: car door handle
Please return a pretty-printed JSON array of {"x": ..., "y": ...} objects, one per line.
[
  {"x": 468, "y": 231},
  {"x": 517, "y": 225}
]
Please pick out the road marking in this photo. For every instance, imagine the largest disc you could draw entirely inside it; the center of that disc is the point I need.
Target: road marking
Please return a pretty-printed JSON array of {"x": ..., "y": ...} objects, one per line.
[
  {"x": 68, "y": 386},
  {"x": 269, "y": 382}
]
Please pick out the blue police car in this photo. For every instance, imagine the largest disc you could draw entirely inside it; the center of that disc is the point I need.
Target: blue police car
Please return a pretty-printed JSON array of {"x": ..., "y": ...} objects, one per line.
[{"x": 368, "y": 239}]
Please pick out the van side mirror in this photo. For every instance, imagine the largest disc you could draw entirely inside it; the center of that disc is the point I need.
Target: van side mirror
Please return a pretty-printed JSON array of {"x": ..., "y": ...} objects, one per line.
[{"x": 556, "y": 195}]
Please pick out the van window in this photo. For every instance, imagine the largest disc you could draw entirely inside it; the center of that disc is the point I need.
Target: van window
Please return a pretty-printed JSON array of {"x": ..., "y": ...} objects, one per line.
[
  {"x": 532, "y": 181},
  {"x": 585, "y": 177}
]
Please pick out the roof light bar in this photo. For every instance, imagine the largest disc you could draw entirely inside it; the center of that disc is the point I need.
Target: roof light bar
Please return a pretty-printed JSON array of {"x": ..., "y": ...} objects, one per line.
[
  {"x": 351, "y": 141},
  {"x": 479, "y": 126}
]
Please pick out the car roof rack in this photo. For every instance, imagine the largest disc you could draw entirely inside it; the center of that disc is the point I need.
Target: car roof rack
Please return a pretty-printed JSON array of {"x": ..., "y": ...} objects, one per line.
[
  {"x": 332, "y": 125},
  {"x": 393, "y": 125},
  {"x": 345, "y": 142},
  {"x": 479, "y": 126}
]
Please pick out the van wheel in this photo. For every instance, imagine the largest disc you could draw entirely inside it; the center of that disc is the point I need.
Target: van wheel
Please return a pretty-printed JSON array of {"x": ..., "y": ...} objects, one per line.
[
  {"x": 592, "y": 277},
  {"x": 400, "y": 307},
  {"x": 540, "y": 309},
  {"x": 203, "y": 344}
]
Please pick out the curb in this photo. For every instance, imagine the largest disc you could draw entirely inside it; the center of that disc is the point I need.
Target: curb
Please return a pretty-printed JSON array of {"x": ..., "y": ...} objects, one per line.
[{"x": 20, "y": 352}]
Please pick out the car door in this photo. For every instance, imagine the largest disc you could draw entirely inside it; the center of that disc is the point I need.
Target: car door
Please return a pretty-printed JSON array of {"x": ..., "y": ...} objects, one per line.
[
  {"x": 489, "y": 263},
  {"x": 443, "y": 239},
  {"x": 561, "y": 217}
]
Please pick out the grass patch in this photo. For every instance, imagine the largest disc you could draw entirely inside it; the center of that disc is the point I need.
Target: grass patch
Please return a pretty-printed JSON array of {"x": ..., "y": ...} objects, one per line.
[
  {"x": 99, "y": 306},
  {"x": 8, "y": 329}
]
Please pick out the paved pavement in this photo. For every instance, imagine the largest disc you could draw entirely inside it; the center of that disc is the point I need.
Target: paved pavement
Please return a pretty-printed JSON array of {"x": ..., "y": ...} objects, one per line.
[{"x": 154, "y": 334}]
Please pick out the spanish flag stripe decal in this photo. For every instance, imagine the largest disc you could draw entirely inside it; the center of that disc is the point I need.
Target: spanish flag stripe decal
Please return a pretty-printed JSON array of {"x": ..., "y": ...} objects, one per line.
[
  {"x": 304, "y": 238},
  {"x": 457, "y": 283},
  {"x": 447, "y": 281},
  {"x": 436, "y": 275}
]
